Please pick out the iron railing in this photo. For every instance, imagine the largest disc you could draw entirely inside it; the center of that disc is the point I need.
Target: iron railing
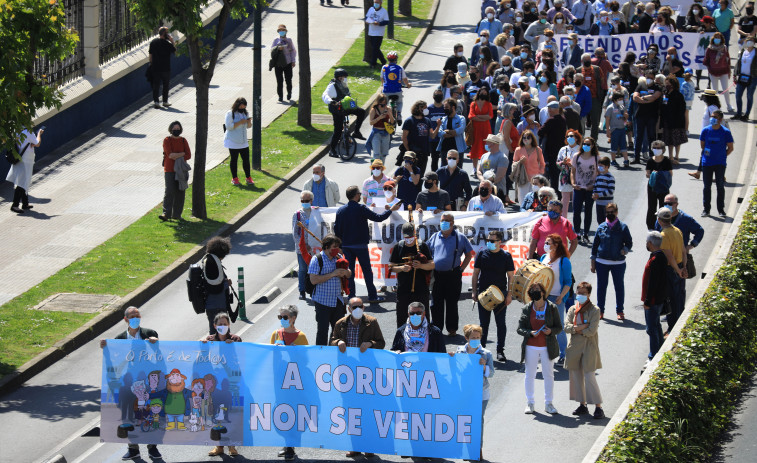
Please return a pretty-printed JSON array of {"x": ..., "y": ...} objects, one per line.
[
  {"x": 59, "y": 72},
  {"x": 118, "y": 29}
]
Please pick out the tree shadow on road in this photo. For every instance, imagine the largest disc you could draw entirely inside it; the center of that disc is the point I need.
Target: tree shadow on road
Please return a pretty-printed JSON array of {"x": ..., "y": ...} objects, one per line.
[{"x": 53, "y": 402}]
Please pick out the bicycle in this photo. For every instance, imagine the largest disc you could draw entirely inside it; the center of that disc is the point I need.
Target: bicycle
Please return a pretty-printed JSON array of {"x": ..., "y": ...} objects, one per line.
[
  {"x": 346, "y": 147},
  {"x": 147, "y": 424}
]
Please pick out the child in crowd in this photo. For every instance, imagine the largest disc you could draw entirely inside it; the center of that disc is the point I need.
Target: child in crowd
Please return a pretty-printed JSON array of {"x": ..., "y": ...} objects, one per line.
[{"x": 604, "y": 188}]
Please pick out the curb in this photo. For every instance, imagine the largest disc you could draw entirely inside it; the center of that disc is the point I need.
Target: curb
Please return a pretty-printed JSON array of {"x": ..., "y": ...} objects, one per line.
[{"x": 154, "y": 285}]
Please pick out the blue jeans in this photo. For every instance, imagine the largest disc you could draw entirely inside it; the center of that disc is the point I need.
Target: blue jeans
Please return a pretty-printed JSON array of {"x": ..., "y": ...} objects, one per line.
[
  {"x": 603, "y": 279},
  {"x": 500, "y": 318},
  {"x": 562, "y": 338},
  {"x": 302, "y": 272},
  {"x": 749, "y": 96},
  {"x": 361, "y": 254},
  {"x": 654, "y": 329},
  {"x": 677, "y": 298},
  {"x": 643, "y": 126},
  {"x": 719, "y": 173},
  {"x": 582, "y": 202}
]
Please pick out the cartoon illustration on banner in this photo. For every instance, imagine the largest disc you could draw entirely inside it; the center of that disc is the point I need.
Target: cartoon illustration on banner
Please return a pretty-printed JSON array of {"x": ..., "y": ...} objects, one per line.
[{"x": 474, "y": 225}]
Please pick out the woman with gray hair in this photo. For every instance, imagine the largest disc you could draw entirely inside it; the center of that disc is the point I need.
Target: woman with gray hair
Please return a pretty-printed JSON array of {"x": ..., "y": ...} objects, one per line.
[{"x": 537, "y": 182}]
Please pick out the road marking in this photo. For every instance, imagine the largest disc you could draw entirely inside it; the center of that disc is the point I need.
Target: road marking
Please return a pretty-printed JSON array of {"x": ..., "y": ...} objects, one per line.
[
  {"x": 95, "y": 422},
  {"x": 89, "y": 452}
]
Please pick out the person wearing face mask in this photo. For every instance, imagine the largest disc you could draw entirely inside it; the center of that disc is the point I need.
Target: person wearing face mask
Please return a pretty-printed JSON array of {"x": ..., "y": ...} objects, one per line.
[
  {"x": 654, "y": 292},
  {"x": 435, "y": 114},
  {"x": 583, "y": 174},
  {"x": 604, "y": 188},
  {"x": 530, "y": 12},
  {"x": 530, "y": 157},
  {"x": 379, "y": 140},
  {"x": 447, "y": 247},
  {"x": 483, "y": 42},
  {"x": 716, "y": 142},
  {"x": 658, "y": 186},
  {"x": 417, "y": 334},
  {"x": 583, "y": 12},
  {"x": 552, "y": 223},
  {"x": 222, "y": 324},
  {"x": 174, "y": 147},
  {"x": 536, "y": 30},
  {"x": 672, "y": 246},
  {"x": 433, "y": 198},
  {"x": 327, "y": 294},
  {"x": 556, "y": 256},
  {"x": 559, "y": 9},
  {"x": 393, "y": 78},
  {"x": 218, "y": 285},
  {"x": 647, "y": 99},
  {"x": 528, "y": 120},
  {"x": 325, "y": 191},
  {"x": 336, "y": 91},
  {"x": 134, "y": 331},
  {"x": 486, "y": 201},
  {"x": 581, "y": 94},
  {"x": 691, "y": 231},
  {"x": 481, "y": 112},
  {"x": 283, "y": 55},
  {"x": 300, "y": 237},
  {"x": 616, "y": 119},
  {"x": 372, "y": 186},
  {"x": 417, "y": 133},
  {"x": 672, "y": 65},
  {"x": 746, "y": 24},
  {"x": 628, "y": 9},
  {"x": 573, "y": 142},
  {"x": 724, "y": 21},
  {"x": 745, "y": 77},
  {"x": 603, "y": 27},
  {"x": 646, "y": 21},
  {"x": 455, "y": 181},
  {"x": 504, "y": 42},
  {"x": 673, "y": 118},
  {"x": 582, "y": 355},
  {"x": 612, "y": 242},
  {"x": 377, "y": 18},
  {"x": 592, "y": 77},
  {"x": 539, "y": 325},
  {"x": 457, "y": 57},
  {"x": 571, "y": 55},
  {"x": 413, "y": 267},
  {"x": 495, "y": 161},
  {"x": 694, "y": 18},
  {"x": 473, "y": 346},
  {"x": 490, "y": 23},
  {"x": 718, "y": 63},
  {"x": 160, "y": 51},
  {"x": 451, "y": 131},
  {"x": 236, "y": 122},
  {"x": 523, "y": 77}
]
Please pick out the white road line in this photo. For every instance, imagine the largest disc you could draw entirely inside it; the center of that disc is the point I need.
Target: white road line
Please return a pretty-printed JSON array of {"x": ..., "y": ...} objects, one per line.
[
  {"x": 89, "y": 452},
  {"x": 95, "y": 422}
]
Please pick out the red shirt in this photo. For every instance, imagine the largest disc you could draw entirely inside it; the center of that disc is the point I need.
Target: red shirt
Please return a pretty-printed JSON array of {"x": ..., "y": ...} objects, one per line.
[
  {"x": 174, "y": 145},
  {"x": 544, "y": 227},
  {"x": 540, "y": 340},
  {"x": 605, "y": 67},
  {"x": 591, "y": 80}
]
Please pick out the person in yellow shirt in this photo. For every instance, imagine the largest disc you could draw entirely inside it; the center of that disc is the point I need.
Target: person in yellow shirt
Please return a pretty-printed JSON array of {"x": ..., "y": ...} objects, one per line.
[{"x": 672, "y": 246}]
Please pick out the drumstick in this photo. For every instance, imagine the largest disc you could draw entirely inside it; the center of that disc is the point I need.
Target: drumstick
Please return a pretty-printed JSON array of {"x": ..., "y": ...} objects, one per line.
[{"x": 309, "y": 232}]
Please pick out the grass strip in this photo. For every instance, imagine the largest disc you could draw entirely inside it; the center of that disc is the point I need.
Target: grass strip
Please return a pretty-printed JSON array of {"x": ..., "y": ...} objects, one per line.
[
  {"x": 688, "y": 400},
  {"x": 147, "y": 246}
]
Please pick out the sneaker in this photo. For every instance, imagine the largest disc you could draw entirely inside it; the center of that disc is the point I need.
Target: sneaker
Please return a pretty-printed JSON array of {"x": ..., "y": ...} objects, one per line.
[
  {"x": 357, "y": 135},
  {"x": 621, "y": 316},
  {"x": 154, "y": 453},
  {"x": 17, "y": 210},
  {"x": 560, "y": 361},
  {"x": 614, "y": 163},
  {"x": 730, "y": 109},
  {"x": 722, "y": 214},
  {"x": 235, "y": 181},
  {"x": 586, "y": 238},
  {"x": 736, "y": 117},
  {"x": 529, "y": 409},
  {"x": 156, "y": 105},
  {"x": 166, "y": 104},
  {"x": 705, "y": 213},
  {"x": 599, "y": 413},
  {"x": 302, "y": 298},
  {"x": 646, "y": 364},
  {"x": 581, "y": 410},
  {"x": 283, "y": 450},
  {"x": 549, "y": 408},
  {"x": 744, "y": 118},
  {"x": 626, "y": 163},
  {"x": 250, "y": 181},
  {"x": 501, "y": 356},
  {"x": 131, "y": 454},
  {"x": 163, "y": 217}
]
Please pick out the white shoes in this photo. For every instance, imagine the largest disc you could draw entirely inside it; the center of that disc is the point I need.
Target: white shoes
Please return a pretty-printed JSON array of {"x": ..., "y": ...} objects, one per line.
[
  {"x": 549, "y": 408},
  {"x": 529, "y": 409}
]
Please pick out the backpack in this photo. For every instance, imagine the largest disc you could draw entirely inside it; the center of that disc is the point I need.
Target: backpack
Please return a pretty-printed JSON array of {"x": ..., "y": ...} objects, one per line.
[
  {"x": 309, "y": 286},
  {"x": 13, "y": 155},
  {"x": 197, "y": 289}
]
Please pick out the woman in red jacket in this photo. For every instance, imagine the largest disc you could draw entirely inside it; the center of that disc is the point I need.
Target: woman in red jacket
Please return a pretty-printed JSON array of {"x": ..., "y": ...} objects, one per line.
[{"x": 174, "y": 147}]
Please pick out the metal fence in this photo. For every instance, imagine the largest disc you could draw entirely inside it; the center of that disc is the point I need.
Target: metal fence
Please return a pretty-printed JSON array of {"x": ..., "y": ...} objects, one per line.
[
  {"x": 118, "y": 29},
  {"x": 60, "y": 72}
]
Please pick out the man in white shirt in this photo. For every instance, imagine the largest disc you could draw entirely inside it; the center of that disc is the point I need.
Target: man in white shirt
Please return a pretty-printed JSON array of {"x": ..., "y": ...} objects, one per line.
[
  {"x": 486, "y": 202},
  {"x": 377, "y": 19}
]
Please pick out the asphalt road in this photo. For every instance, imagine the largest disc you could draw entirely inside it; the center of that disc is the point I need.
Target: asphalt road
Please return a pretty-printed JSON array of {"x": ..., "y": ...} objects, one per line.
[{"x": 57, "y": 412}]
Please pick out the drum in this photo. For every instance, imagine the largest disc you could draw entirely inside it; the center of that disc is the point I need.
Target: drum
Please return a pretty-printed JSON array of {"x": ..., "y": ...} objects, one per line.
[
  {"x": 529, "y": 273},
  {"x": 491, "y": 298}
]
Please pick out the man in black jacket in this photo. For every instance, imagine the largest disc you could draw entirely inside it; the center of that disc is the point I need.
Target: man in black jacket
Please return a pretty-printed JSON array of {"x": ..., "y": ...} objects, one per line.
[
  {"x": 654, "y": 291},
  {"x": 132, "y": 318},
  {"x": 160, "y": 53},
  {"x": 351, "y": 226},
  {"x": 646, "y": 20},
  {"x": 418, "y": 335}
]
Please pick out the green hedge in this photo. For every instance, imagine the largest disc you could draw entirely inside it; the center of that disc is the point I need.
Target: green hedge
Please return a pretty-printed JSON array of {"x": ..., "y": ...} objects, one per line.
[{"x": 688, "y": 400}]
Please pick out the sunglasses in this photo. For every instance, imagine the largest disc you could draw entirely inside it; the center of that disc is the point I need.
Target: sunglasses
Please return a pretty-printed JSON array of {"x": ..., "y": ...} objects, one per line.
[
  {"x": 669, "y": 204},
  {"x": 492, "y": 241},
  {"x": 356, "y": 307},
  {"x": 415, "y": 313},
  {"x": 283, "y": 317},
  {"x": 389, "y": 189}
]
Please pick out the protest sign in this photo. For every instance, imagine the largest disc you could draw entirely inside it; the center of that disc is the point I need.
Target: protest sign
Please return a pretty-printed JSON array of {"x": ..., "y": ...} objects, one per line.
[
  {"x": 690, "y": 45},
  {"x": 475, "y": 225},
  {"x": 299, "y": 396}
]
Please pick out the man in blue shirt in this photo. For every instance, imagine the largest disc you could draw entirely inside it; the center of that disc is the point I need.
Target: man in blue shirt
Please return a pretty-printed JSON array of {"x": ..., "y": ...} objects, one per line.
[
  {"x": 484, "y": 42},
  {"x": 351, "y": 226},
  {"x": 327, "y": 295},
  {"x": 717, "y": 143},
  {"x": 447, "y": 247},
  {"x": 683, "y": 222}
]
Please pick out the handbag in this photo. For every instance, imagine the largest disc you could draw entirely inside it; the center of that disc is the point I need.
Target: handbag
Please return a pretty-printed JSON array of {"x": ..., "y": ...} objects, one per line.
[
  {"x": 469, "y": 134},
  {"x": 389, "y": 128},
  {"x": 13, "y": 155},
  {"x": 691, "y": 268}
]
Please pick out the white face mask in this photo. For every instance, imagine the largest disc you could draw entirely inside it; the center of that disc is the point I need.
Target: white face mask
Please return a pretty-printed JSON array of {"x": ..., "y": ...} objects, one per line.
[
  {"x": 490, "y": 15},
  {"x": 534, "y": 188},
  {"x": 460, "y": 54},
  {"x": 531, "y": 117},
  {"x": 656, "y": 151},
  {"x": 222, "y": 329},
  {"x": 750, "y": 44},
  {"x": 452, "y": 163},
  {"x": 558, "y": 21},
  {"x": 316, "y": 178},
  {"x": 388, "y": 194},
  {"x": 357, "y": 313},
  {"x": 410, "y": 240},
  {"x": 547, "y": 248},
  {"x": 376, "y": 172},
  {"x": 484, "y": 39},
  {"x": 425, "y": 111}
]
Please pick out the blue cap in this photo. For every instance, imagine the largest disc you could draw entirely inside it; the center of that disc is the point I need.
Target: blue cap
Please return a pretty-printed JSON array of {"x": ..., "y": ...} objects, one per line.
[{"x": 688, "y": 71}]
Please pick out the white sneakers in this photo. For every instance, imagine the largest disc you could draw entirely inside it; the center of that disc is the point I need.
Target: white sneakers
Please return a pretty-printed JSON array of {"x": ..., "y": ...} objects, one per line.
[
  {"x": 549, "y": 408},
  {"x": 529, "y": 409}
]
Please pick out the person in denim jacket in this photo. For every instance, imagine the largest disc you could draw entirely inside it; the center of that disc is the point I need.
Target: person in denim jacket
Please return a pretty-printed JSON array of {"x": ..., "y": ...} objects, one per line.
[
  {"x": 451, "y": 130},
  {"x": 612, "y": 242}
]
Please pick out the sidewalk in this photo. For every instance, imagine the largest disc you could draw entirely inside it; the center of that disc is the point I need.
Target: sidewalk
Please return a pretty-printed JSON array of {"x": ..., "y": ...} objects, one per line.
[
  {"x": 739, "y": 444},
  {"x": 98, "y": 184}
]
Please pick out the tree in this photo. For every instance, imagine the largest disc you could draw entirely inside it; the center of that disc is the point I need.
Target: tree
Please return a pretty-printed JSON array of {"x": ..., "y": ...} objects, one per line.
[
  {"x": 367, "y": 51},
  {"x": 204, "y": 45},
  {"x": 29, "y": 29},
  {"x": 304, "y": 108}
]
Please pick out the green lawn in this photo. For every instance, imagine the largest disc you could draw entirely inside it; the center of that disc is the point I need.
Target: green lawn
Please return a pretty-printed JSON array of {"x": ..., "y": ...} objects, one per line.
[{"x": 146, "y": 247}]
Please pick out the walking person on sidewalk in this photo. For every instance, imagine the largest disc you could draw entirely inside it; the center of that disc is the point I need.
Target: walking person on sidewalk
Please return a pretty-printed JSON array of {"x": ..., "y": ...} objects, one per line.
[
  {"x": 21, "y": 172},
  {"x": 284, "y": 62},
  {"x": 582, "y": 357},
  {"x": 235, "y": 139},
  {"x": 161, "y": 49},
  {"x": 377, "y": 18},
  {"x": 174, "y": 147},
  {"x": 132, "y": 318}
]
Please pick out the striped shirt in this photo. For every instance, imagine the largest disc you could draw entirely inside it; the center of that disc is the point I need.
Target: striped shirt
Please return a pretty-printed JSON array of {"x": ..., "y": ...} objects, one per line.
[{"x": 604, "y": 187}]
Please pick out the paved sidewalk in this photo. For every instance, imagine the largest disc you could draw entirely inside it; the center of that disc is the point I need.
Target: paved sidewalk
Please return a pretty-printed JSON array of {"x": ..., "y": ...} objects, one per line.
[
  {"x": 739, "y": 444},
  {"x": 104, "y": 180}
]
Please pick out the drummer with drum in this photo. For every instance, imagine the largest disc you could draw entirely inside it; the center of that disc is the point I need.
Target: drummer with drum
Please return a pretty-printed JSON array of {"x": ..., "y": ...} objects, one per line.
[{"x": 493, "y": 271}]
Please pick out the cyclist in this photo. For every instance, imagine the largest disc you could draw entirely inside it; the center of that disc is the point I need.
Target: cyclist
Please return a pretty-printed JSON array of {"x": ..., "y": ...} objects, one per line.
[
  {"x": 337, "y": 96},
  {"x": 393, "y": 77}
]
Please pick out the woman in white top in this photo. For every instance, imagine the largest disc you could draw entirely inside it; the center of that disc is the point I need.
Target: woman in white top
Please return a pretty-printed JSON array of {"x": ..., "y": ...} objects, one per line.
[
  {"x": 572, "y": 147},
  {"x": 21, "y": 172},
  {"x": 235, "y": 139}
]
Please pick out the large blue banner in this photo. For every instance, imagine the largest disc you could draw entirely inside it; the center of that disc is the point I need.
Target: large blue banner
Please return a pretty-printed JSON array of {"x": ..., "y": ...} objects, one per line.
[{"x": 309, "y": 396}]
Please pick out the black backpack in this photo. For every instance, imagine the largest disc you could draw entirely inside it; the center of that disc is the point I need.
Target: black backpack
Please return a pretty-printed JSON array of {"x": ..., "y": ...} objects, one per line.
[
  {"x": 13, "y": 155},
  {"x": 309, "y": 286},
  {"x": 197, "y": 286}
]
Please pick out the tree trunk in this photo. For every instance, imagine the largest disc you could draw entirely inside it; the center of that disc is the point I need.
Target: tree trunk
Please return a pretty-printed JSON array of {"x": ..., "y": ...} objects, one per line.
[
  {"x": 367, "y": 4},
  {"x": 304, "y": 106},
  {"x": 406, "y": 7}
]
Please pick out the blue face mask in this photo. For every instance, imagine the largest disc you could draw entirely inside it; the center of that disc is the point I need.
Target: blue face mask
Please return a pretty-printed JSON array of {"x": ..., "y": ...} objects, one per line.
[
  {"x": 284, "y": 323},
  {"x": 305, "y": 205},
  {"x": 134, "y": 323},
  {"x": 571, "y": 140},
  {"x": 282, "y": 33},
  {"x": 713, "y": 120},
  {"x": 474, "y": 343},
  {"x": 586, "y": 148},
  {"x": 716, "y": 41},
  {"x": 491, "y": 246},
  {"x": 543, "y": 80},
  {"x": 415, "y": 320},
  {"x": 445, "y": 225},
  {"x": 669, "y": 206},
  {"x": 529, "y": 74},
  {"x": 553, "y": 215},
  {"x": 481, "y": 56},
  {"x": 581, "y": 298},
  {"x": 523, "y": 55},
  {"x": 377, "y": 5}
]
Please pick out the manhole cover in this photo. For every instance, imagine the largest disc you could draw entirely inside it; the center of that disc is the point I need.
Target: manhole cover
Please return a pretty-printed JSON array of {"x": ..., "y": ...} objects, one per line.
[{"x": 74, "y": 302}]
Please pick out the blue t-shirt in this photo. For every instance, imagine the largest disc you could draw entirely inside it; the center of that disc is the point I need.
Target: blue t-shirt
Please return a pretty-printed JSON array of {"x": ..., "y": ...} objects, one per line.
[
  {"x": 319, "y": 194},
  {"x": 435, "y": 114},
  {"x": 715, "y": 145}
]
